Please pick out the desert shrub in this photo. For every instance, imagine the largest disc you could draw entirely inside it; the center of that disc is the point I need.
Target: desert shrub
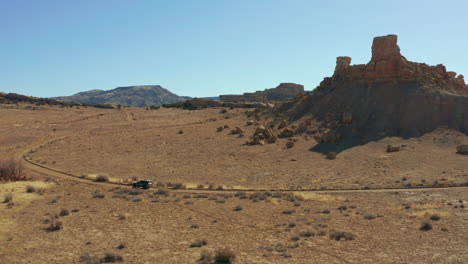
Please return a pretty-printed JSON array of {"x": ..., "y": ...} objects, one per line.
[
  {"x": 30, "y": 189},
  {"x": 121, "y": 246},
  {"x": 54, "y": 224},
  {"x": 238, "y": 208},
  {"x": 88, "y": 259},
  {"x": 340, "y": 235},
  {"x": 289, "y": 211},
  {"x": 342, "y": 208},
  {"x": 435, "y": 217},
  {"x": 98, "y": 194},
  {"x": 187, "y": 196},
  {"x": 111, "y": 257},
  {"x": 137, "y": 199},
  {"x": 64, "y": 212},
  {"x": 199, "y": 243},
  {"x": 75, "y": 210},
  {"x": 102, "y": 178},
  {"x": 295, "y": 238},
  {"x": 297, "y": 204},
  {"x": 425, "y": 226},
  {"x": 326, "y": 211},
  {"x": 370, "y": 217},
  {"x": 205, "y": 257},
  {"x": 11, "y": 170},
  {"x": 220, "y": 201},
  {"x": 307, "y": 234},
  {"x": 8, "y": 198},
  {"x": 188, "y": 202},
  {"x": 289, "y": 144},
  {"x": 224, "y": 255}
]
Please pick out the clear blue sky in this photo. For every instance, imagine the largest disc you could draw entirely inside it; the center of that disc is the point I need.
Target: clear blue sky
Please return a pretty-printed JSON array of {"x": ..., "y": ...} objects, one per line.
[{"x": 211, "y": 47}]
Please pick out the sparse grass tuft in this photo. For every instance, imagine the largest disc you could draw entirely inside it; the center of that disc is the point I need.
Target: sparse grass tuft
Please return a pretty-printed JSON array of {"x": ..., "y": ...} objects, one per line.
[
  {"x": 289, "y": 211},
  {"x": 198, "y": 243},
  {"x": 238, "y": 208},
  {"x": 206, "y": 257},
  {"x": 8, "y": 198}
]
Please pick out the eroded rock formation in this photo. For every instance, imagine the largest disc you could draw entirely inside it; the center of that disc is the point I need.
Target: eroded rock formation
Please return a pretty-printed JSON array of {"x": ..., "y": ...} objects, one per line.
[
  {"x": 387, "y": 96},
  {"x": 282, "y": 92}
]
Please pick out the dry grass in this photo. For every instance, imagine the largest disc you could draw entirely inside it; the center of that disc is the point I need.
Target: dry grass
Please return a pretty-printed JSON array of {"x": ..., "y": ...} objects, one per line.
[
  {"x": 8, "y": 198},
  {"x": 11, "y": 170}
]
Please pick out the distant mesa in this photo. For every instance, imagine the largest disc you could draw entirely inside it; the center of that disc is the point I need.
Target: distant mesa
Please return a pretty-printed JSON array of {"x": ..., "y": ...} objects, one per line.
[
  {"x": 139, "y": 96},
  {"x": 389, "y": 96},
  {"x": 282, "y": 92}
]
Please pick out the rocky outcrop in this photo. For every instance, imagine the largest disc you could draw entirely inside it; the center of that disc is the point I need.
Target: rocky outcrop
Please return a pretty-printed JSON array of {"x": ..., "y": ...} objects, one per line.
[
  {"x": 387, "y": 96},
  {"x": 282, "y": 92}
]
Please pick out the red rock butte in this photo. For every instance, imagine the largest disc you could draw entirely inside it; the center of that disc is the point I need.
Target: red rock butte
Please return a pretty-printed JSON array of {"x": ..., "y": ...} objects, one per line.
[{"x": 389, "y": 96}]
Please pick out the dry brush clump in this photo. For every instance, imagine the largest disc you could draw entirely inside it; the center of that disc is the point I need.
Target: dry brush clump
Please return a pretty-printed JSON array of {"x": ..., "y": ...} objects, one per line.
[
  {"x": 198, "y": 243},
  {"x": 102, "y": 178},
  {"x": 340, "y": 235},
  {"x": 11, "y": 170},
  {"x": 54, "y": 224}
]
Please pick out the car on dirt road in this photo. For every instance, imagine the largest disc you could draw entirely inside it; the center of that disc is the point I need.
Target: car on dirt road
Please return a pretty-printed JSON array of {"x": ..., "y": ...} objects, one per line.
[{"x": 145, "y": 184}]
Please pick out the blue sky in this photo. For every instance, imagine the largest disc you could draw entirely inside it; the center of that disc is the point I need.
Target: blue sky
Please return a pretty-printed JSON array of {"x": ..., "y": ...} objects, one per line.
[{"x": 211, "y": 47}]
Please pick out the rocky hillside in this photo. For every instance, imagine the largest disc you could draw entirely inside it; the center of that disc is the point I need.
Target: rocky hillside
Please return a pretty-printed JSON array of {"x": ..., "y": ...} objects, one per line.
[
  {"x": 389, "y": 96},
  {"x": 282, "y": 92},
  {"x": 147, "y": 95}
]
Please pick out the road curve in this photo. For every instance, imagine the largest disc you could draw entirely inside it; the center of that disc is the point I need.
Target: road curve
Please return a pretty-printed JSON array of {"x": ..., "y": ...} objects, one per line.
[{"x": 29, "y": 164}]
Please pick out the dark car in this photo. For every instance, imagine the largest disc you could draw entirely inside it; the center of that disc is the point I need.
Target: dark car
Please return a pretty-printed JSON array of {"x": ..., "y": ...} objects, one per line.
[{"x": 142, "y": 184}]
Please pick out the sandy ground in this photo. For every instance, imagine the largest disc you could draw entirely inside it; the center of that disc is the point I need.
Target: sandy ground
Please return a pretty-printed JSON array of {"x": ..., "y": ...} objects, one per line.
[{"x": 272, "y": 227}]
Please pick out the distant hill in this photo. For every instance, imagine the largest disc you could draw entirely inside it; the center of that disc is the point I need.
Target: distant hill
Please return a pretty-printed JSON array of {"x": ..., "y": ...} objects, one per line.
[
  {"x": 13, "y": 98},
  {"x": 145, "y": 95}
]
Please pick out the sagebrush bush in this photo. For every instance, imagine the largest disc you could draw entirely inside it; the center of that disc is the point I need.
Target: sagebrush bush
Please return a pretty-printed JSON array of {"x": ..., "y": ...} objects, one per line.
[{"x": 425, "y": 226}]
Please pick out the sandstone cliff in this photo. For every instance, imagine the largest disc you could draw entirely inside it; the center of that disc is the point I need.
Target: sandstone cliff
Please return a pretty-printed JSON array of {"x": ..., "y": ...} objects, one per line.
[
  {"x": 389, "y": 96},
  {"x": 282, "y": 92}
]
